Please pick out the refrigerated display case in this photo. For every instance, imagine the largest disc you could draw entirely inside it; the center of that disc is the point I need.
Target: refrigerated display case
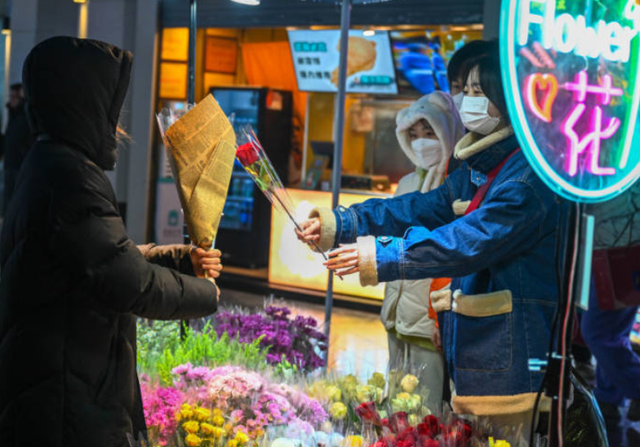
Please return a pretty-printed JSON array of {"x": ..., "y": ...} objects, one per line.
[{"x": 243, "y": 236}]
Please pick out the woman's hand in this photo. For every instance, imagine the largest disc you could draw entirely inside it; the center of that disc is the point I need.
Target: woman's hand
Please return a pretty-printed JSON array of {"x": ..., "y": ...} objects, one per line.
[
  {"x": 310, "y": 231},
  {"x": 344, "y": 260},
  {"x": 206, "y": 263}
]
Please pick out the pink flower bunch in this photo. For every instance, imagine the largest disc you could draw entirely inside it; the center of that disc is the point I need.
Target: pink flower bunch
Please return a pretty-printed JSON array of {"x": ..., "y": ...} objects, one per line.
[
  {"x": 249, "y": 402},
  {"x": 307, "y": 408},
  {"x": 160, "y": 406},
  {"x": 273, "y": 409},
  {"x": 227, "y": 389}
]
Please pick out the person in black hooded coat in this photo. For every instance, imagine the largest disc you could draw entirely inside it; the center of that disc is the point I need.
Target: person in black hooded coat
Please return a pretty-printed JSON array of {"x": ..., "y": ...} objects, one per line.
[{"x": 72, "y": 281}]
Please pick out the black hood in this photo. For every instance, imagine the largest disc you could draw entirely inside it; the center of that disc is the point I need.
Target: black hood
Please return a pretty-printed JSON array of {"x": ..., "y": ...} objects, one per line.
[{"x": 74, "y": 90}]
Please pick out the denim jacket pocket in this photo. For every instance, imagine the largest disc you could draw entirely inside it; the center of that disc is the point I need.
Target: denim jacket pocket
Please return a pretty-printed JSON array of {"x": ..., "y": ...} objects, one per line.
[{"x": 484, "y": 331}]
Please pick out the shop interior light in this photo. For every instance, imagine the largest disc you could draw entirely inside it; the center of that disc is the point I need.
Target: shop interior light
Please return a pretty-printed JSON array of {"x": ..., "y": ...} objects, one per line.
[
  {"x": 369, "y": 33},
  {"x": 247, "y": 2},
  {"x": 79, "y": 1}
]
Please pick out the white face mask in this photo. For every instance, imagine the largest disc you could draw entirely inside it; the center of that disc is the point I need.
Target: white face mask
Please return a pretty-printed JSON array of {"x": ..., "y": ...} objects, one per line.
[
  {"x": 457, "y": 100},
  {"x": 475, "y": 115},
  {"x": 428, "y": 152}
]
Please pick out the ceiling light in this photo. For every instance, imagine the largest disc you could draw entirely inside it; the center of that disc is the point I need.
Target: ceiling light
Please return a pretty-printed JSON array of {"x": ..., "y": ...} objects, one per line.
[
  {"x": 247, "y": 2},
  {"x": 369, "y": 33}
]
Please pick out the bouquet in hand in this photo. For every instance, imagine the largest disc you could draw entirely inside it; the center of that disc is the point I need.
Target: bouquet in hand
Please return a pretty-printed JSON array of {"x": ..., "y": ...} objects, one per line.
[
  {"x": 256, "y": 162},
  {"x": 201, "y": 147}
]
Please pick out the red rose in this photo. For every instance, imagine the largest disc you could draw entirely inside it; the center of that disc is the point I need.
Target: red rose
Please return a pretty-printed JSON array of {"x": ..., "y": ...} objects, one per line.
[
  {"x": 398, "y": 422},
  {"x": 460, "y": 432},
  {"x": 407, "y": 443},
  {"x": 455, "y": 438},
  {"x": 407, "y": 433},
  {"x": 427, "y": 441},
  {"x": 247, "y": 154},
  {"x": 467, "y": 431},
  {"x": 367, "y": 412},
  {"x": 424, "y": 429},
  {"x": 434, "y": 425}
]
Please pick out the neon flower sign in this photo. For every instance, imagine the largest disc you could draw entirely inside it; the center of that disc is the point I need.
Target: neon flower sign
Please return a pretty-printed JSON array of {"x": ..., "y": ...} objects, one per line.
[{"x": 571, "y": 69}]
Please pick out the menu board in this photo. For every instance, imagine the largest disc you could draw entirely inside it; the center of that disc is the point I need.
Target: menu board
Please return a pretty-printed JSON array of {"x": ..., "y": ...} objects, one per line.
[{"x": 370, "y": 67}]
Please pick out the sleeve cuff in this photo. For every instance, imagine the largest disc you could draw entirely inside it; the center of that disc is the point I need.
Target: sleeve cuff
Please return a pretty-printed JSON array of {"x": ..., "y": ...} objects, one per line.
[
  {"x": 389, "y": 258},
  {"x": 367, "y": 261},
  {"x": 328, "y": 224}
]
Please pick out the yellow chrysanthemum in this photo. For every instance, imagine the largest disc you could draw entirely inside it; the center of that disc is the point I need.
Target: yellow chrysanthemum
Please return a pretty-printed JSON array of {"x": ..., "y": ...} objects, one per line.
[
  {"x": 217, "y": 432},
  {"x": 232, "y": 443},
  {"x": 191, "y": 427},
  {"x": 202, "y": 414},
  {"x": 193, "y": 440},
  {"x": 353, "y": 441},
  {"x": 185, "y": 407},
  {"x": 218, "y": 421},
  {"x": 186, "y": 414},
  {"x": 242, "y": 438},
  {"x": 217, "y": 412},
  {"x": 338, "y": 410},
  {"x": 207, "y": 429}
]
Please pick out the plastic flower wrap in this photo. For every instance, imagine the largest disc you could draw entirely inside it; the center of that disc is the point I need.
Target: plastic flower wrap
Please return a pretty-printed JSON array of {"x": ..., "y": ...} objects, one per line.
[{"x": 255, "y": 161}]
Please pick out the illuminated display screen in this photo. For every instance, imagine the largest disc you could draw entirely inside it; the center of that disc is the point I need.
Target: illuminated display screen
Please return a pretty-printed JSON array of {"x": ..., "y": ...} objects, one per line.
[
  {"x": 292, "y": 263},
  {"x": 572, "y": 77}
]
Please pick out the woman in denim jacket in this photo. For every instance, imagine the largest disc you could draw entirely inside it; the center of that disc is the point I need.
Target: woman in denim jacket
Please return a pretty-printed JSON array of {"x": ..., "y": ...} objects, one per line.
[{"x": 501, "y": 256}]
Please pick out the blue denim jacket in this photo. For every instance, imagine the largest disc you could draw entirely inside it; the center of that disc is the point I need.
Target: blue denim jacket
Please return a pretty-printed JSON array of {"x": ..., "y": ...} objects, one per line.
[{"x": 508, "y": 243}]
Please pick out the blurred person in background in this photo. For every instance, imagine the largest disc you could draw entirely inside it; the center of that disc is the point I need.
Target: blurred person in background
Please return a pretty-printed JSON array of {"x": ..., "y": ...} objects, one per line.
[
  {"x": 427, "y": 131},
  {"x": 16, "y": 141},
  {"x": 607, "y": 325}
]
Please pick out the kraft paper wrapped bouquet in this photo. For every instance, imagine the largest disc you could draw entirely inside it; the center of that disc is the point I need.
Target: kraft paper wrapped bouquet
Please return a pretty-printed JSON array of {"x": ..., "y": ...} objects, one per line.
[{"x": 201, "y": 149}]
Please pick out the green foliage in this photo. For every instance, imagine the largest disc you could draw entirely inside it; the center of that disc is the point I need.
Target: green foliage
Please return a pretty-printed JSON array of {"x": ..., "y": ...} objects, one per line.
[
  {"x": 159, "y": 352},
  {"x": 285, "y": 369},
  {"x": 153, "y": 339}
]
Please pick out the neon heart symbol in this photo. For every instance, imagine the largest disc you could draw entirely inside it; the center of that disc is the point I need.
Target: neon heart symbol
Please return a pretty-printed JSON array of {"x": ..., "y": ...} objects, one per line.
[{"x": 546, "y": 83}]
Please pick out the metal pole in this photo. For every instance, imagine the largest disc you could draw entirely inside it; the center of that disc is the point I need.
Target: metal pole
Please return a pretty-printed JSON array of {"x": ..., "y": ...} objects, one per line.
[
  {"x": 191, "y": 81},
  {"x": 193, "y": 38},
  {"x": 191, "y": 96},
  {"x": 338, "y": 137}
]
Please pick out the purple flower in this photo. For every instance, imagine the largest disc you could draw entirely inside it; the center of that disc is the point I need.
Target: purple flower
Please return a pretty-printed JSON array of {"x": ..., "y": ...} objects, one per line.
[{"x": 294, "y": 338}]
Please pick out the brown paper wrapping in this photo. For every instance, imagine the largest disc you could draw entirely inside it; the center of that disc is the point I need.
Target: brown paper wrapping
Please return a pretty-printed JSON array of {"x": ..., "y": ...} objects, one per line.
[{"x": 202, "y": 150}]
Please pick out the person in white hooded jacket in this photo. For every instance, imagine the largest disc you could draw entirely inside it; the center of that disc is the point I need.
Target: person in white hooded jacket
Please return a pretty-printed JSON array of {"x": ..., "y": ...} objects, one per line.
[{"x": 427, "y": 132}]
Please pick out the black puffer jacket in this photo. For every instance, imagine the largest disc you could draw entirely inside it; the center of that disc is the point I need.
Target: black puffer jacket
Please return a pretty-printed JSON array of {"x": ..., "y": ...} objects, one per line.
[{"x": 72, "y": 281}]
